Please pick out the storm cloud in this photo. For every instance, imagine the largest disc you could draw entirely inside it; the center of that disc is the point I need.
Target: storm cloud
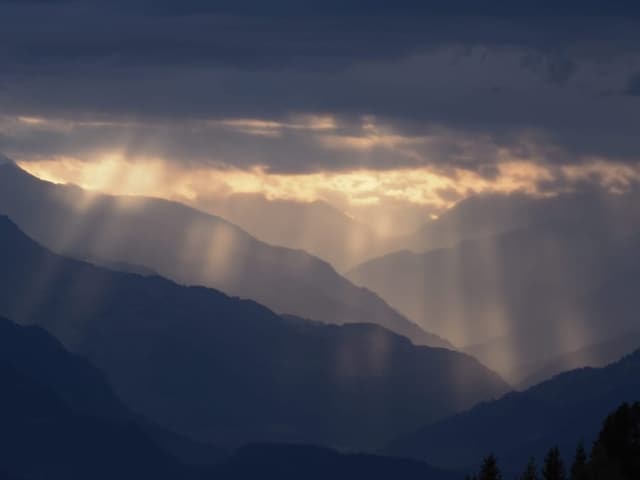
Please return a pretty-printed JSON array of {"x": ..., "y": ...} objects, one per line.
[{"x": 446, "y": 84}]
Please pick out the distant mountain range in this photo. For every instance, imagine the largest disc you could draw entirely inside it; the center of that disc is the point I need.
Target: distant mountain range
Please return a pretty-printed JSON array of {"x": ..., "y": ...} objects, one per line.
[
  {"x": 596, "y": 355},
  {"x": 192, "y": 248},
  {"x": 228, "y": 371},
  {"x": 296, "y": 462},
  {"x": 493, "y": 214},
  {"x": 520, "y": 298},
  {"x": 560, "y": 412},
  {"x": 326, "y": 232},
  {"x": 315, "y": 227}
]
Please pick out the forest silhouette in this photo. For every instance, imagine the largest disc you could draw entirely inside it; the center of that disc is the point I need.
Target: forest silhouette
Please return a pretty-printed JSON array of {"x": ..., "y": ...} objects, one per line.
[{"x": 614, "y": 456}]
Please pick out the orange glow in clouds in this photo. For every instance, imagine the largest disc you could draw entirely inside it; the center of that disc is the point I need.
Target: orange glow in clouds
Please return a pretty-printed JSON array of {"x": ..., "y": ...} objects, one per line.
[
  {"x": 437, "y": 189},
  {"x": 117, "y": 175}
]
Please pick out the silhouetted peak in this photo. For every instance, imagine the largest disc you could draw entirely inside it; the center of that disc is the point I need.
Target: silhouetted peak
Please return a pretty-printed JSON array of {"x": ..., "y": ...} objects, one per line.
[
  {"x": 8, "y": 166},
  {"x": 13, "y": 240},
  {"x": 632, "y": 357},
  {"x": 7, "y": 226},
  {"x": 12, "y": 172}
]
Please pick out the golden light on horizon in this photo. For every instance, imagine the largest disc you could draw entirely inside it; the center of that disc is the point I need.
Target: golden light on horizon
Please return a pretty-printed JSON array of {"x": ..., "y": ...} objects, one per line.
[
  {"x": 435, "y": 189},
  {"x": 115, "y": 174}
]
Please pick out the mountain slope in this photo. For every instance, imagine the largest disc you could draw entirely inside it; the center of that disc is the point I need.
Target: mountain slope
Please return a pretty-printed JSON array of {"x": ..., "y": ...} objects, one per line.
[
  {"x": 226, "y": 370},
  {"x": 85, "y": 390},
  {"x": 60, "y": 420},
  {"x": 493, "y": 214},
  {"x": 193, "y": 248},
  {"x": 36, "y": 354},
  {"x": 82, "y": 430},
  {"x": 289, "y": 462},
  {"x": 514, "y": 300},
  {"x": 479, "y": 289},
  {"x": 315, "y": 227},
  {"x": 561, "y": 411},
  {"x": 596, "y": 355}
]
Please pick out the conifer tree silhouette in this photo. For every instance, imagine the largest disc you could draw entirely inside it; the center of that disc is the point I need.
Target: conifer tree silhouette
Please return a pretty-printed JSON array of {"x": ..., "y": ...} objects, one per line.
[
  {"x": 579, "y": 468},
  {"x": 553, "y": 466},
  {"x": 616, "y": 453},
  {"x": 531, "y": 472},
  {"x": 489, "y": 469}
]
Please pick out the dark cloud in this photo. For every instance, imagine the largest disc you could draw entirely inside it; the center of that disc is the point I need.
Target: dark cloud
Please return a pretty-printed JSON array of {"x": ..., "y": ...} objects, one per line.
[
  {"x": 266, "y": 34},
  {"x": 482, "y": 76},
  {"x": 501, "y": 8},
  {"x": 560, "y": 70},
  {"x": 633, "y": 86}
]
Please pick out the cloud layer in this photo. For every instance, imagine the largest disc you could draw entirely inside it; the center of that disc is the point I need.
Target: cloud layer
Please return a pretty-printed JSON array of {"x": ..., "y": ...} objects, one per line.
[{"x": 301, "y": 88}]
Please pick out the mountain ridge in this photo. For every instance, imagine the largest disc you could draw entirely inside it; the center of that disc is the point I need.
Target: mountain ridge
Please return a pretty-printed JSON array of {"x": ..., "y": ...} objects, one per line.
[
  {"x": 595, "y": 355},
  {"x": 191, "y": 247},
  {"x": 516, "y": 298},
  {"x": 561, "y": 411},
  {"x": 55, "y": 426},
  {"x": 317, "y": 383}
]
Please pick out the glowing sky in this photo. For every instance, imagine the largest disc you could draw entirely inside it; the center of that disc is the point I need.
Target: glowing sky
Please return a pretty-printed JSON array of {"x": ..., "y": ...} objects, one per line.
[
  {"x": 371, "y": 106},
  {"x": 420, "y": 191}
]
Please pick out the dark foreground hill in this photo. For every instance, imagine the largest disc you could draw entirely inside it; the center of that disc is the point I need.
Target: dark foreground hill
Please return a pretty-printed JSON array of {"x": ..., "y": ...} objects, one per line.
[
  {"x": 225, "y": 370},
  {"x": 61, "y": 420},
  {"x": 290, "y": 462},
  {"x": 85, "y": 390},
  {"x": 560, "y": 412}
]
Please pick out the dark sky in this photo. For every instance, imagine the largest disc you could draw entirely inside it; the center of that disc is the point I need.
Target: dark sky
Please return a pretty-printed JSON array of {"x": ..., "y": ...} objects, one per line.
[{"x": 327, "y": 86}]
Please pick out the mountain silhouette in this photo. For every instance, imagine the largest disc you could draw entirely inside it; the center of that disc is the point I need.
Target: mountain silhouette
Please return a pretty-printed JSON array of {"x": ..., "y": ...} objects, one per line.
[
  {"x": 315, "y": 227},
  {"x": 294, "y": 462},
  {"x": 61, "y": 421},
  {"x": 518, "y": 299},
  {"x": 85, "y": 389},
  {"x": 328, "y": 233},
  {"x": 596, "y": 355},
  {"x": 562, "y": 411},
  {"x": 193, "y": 248},
  {"x": 492, "y": 214},
  {"x": 228, "y": 371}
]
